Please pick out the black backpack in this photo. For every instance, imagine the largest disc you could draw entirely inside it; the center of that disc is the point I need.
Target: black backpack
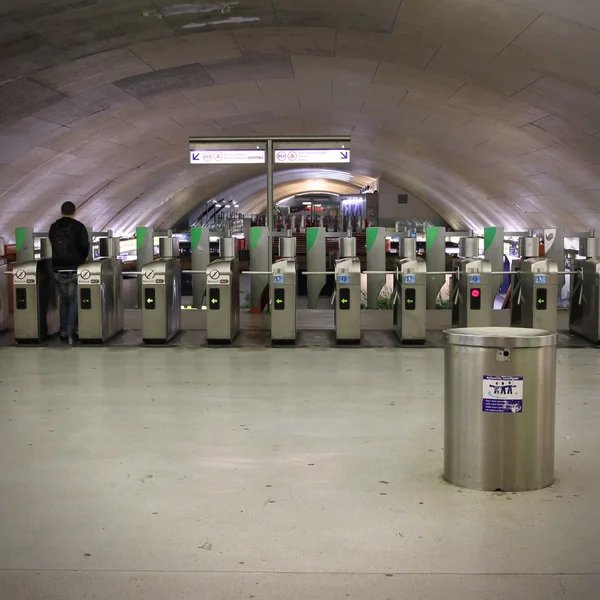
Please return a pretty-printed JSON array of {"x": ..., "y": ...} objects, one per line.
[{"x": 64, "y": 246}]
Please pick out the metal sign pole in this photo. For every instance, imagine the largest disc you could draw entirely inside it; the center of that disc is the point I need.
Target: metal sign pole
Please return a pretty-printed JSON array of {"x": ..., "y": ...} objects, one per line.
[{"x": 270, "y": 201}]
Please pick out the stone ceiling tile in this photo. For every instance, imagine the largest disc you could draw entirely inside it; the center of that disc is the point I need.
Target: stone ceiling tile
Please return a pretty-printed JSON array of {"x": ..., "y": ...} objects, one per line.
[
  {"x": 270, "y": 105},
  {"x": 406, "y": 48},
  {"x": 69, "y": 110},
  {"x": 417, "y": 81},
  {"x": 542, "y": 47},
  {"x": 24, "y": 136},
  {"x": 21, "y": 97},
  {"x": 511, "y": 110},
  {"x": 203, "y": 112},
  {"x": 319, "y": 69},
  {"x": 93, "y": 71},
  {"x": 376, "y": 15},
  {"x": 230, "y": 92},
  {"x": 314, "y": 41},
  {"x": 186, "y": 77},
  {"x": 565, "y": 101},
  {"x": 584, "y": 12},
  {"x": 485, "y": 26},
  {"x": 289, "y": 89},
  {"x": 167, "y": 101},
  {"x": 90, "y": 27},
  {"x": 504, "y": 77},
  {"x": 250, "y": 68},
  {"x": 187, "y": 49}
]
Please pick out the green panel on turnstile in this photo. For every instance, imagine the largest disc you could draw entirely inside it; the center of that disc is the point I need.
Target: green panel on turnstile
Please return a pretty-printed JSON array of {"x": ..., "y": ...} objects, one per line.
[
  {"x": 24, "y": 244},
  {"x": 554, "y": 249},
  {"x": 493, "y": 242},
  {"x": 259, "y": 261},
  {"x": 145, "y": 254},
  {"x": 436, "y": 262},
  {"x": 375, "y": 262}
]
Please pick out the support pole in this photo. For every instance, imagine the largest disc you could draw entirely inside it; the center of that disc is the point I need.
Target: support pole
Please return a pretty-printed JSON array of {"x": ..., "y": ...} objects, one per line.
[{"x": 270, "y": 201}]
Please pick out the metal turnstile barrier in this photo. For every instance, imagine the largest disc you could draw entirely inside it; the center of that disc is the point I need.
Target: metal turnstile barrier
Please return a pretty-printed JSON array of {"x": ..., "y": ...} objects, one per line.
[
  {"x": 100, "y": 295},
  {"x": 584, "y": 307},
  {"x": 500, "y": 399},
  {"x": 223, "y": 295},
  {"x": 472, "y": 297},
  {"x": 410, "y": 306},
  {"x": 35, "y": 301},
  {"x": 534, "y": 289},
  {"x": 161, "y": 295},
  {"x": 3, "y": 289},
  {"x": 347, "y": 295},
  {"x": 283, "y": 293}
]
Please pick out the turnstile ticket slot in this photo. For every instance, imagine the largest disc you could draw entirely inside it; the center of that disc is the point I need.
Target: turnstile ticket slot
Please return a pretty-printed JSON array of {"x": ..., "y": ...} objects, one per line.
[
  {"x": 344, "y": 299},
  {"x": 86, "y": 298},
  {"x": 214, "y": 298},
  {"x": 279, "y": 298},
  {"x": 410, "y": 299},
  {"x": 541, "y": 298},
  {"x": 475, "y": 300},
  {"x": 21, "y": 295},
  {"x": 149, "y": 298}
]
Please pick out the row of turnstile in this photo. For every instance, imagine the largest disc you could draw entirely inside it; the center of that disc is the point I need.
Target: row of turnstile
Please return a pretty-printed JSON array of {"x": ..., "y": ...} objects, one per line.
[{"x": 534, "y": 288}]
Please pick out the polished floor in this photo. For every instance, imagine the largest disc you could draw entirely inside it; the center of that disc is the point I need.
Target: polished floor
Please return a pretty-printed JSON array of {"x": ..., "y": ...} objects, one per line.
[{"x": 178, "y": 473}]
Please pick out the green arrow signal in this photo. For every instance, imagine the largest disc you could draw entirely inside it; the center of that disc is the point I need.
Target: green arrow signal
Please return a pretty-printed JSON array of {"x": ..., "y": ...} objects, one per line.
[
  {"x": 409, "y": 301},
  {"x": 344, "y": 301},
  {"x": 279, "y": 301},
  {"x": 541, "y": 301},
  {"x": 214, "y": 300}
]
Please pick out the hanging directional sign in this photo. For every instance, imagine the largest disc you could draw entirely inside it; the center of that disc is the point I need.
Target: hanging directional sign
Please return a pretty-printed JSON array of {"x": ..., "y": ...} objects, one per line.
[
  {"x": 312, "y": 155},
  {"x": 228, "y": 157}
]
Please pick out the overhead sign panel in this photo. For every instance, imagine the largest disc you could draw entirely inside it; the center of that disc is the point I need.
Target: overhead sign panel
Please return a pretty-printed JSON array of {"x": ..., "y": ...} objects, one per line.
[
  {"x": 227, "y": 157},
  {"x": 312, "y": 155}
]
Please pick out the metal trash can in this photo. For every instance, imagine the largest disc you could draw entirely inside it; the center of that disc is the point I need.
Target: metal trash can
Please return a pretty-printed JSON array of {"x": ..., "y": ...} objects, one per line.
[{"x": 500, "y": 400}]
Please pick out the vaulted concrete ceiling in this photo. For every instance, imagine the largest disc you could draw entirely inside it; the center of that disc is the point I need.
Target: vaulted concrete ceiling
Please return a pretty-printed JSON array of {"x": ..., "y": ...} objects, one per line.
[{"x": 486, "y": 109}]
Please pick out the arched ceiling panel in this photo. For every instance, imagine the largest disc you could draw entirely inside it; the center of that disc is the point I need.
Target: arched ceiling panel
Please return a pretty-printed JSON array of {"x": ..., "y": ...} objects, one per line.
[{"x": 485, "y": 109}]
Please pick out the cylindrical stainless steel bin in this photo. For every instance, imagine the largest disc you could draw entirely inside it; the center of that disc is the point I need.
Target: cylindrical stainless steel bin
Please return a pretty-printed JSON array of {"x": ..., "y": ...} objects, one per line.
[
  {"x": 500, "y": 400},
  {"x": 347, "y": 247}
]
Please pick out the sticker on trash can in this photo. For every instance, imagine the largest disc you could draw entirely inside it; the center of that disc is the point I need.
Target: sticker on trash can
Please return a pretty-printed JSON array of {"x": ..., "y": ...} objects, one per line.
[{"x": 502, "y": 394}]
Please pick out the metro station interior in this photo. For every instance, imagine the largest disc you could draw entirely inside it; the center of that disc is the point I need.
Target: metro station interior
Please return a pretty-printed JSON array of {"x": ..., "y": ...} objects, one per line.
[{"x": 295, "y": 209}]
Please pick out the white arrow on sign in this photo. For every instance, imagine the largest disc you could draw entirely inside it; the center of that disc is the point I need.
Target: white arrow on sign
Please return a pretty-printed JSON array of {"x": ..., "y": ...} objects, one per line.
[{"x": 313, "y": 155}]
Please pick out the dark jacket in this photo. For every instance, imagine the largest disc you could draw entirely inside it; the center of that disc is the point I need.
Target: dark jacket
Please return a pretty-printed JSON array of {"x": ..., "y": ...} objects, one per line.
[{"x": 81, "y": 243}]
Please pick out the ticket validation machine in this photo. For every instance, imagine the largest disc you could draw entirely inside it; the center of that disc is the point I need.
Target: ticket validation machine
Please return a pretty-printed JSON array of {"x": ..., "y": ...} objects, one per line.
[
  {"x": 35, "y": 299},
  {"x": 223, "y": 295},
  {"x": 161, "y": 294},
  {"x": 471, "y": 287},
  {"x": 584, "y": 308},
  {"x": 347, "y": 295},
  {"x": 410, "y": 302},
  {"x": 283, "y": 293},
  {"x": 100, "y": 295},
  {"x": 534, "y": 299}
]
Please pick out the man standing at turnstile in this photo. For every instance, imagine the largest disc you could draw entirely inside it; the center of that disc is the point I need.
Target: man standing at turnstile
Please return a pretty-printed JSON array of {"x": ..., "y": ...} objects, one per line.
[{"x": 70, "y": 248}]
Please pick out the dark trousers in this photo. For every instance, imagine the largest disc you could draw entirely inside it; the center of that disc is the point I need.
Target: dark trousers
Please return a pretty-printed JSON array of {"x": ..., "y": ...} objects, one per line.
[{"x": 67, "y": 290}]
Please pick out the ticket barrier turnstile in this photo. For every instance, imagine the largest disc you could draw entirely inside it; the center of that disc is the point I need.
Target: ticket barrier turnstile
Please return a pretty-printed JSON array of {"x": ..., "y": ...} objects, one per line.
[
  {"x": 283, "y": 293},
  {"x": 584, "y": 308},
  {"x": 223, "y": 295},
  {"x": 161, "y": 294},
  {"x": 347, "y": 295},
  {"x": 410, "y": 306},
  {"x": 100, "y": 295},
  {"x": 3, "y": 289},
  {"x": 471, "y": 287},
  {"x": 534, "y": 285},
  {"x": 35, "y": 299}
]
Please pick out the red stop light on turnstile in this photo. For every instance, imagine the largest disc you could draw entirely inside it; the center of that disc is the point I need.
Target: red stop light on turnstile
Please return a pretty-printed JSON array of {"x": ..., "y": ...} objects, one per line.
[{"x": 475, "y": 299}]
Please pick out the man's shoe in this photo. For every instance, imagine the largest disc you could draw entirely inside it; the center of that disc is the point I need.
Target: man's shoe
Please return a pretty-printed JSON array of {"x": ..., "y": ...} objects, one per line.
[{"x": 64, "y": 339}]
